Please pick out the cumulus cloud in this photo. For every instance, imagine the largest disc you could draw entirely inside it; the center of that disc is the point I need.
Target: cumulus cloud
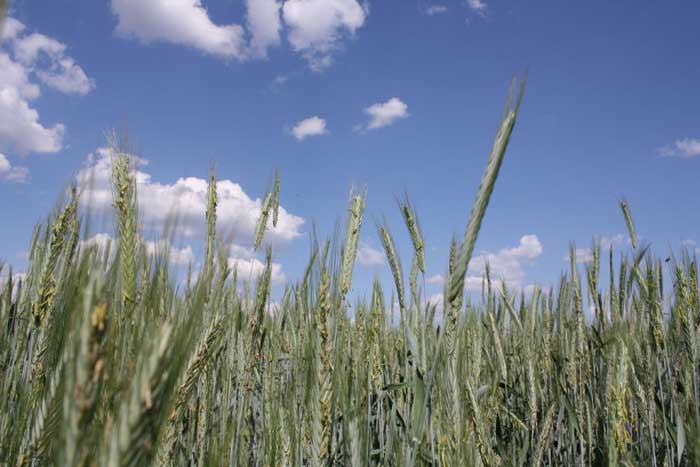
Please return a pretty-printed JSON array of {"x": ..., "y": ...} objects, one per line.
[
  {"x": 264, "y": 25},
  {"x": 58, "y": 71},
  {"x": 15, "y": 76},
  {"x": 67, "y": 77},
  {"x": 368, "y": 255},
  {"x": 684, "y": 148},
  {"x": 102, "y": 242},
  {"x": 582, "y": 255},
  {"x": 433, "y": 10},
  {"x": 315, "y": 28},
  {"x": 185, "y": 201},
  {"x": 184, "y": 22},
  {"x": 12, "y": 173},
  {"x": 241, "y": 258},
  {"x": 252, "y": 268},
  {"x": 385, "y": 113},
  {"x": 23, "y": 57},
  {"x": 318, "y": 27},
  {"x": 176, "y": 256},
  {"x": 506, "y": 265},
  {"x": 20, "y": 128},
  {"x": 312, "y": 126},
  {"x": 28, "y": 48},
  {"x": 11, "y": 28},
  {"x": 249, "y": 267},
  {"x": 179, "y": 256}
]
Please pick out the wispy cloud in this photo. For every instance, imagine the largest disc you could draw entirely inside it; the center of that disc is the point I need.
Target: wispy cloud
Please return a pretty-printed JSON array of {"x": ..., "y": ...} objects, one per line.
[
  {"x": 479, "y": 6},
  {"x": 433, "y": 10},
  {"x": 683, "y": 148}
]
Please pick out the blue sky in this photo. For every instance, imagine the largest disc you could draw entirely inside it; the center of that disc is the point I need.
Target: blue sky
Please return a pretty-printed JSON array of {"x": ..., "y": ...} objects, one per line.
[{"x": 398, "y": 96}]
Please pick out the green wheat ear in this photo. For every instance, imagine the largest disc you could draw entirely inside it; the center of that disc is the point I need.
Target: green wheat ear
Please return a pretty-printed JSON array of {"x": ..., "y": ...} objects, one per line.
[
  {"x": 262, "y": 221},
  {"x": 352, "y": 236},
  {"x": 413, "y": 227},
  {"x": 212, "y": 201},
  {"x": 488, "y": 180},
  {"x": 624, "y": 206},
  {"x": 276, "y": 199},
  {"x": 124, "y": 188}
]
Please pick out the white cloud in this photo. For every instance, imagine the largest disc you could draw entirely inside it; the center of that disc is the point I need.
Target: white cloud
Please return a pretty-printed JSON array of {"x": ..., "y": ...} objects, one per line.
[
  {"x": 252, "y": 268},
  {"x": 44, "y": 58},
  {"x": 477, "y": 5},
  {"x": 67, "y": 77},
  {"x": 684, "y": 148},
  {"x": 61, "y": 72},
  {"x": 28, "y": 48},
  {"x": 15, "y": 75},
  {"x": 435, "y": 10},
  {"x": 385, "y": 113},
  {"x": 610, "y": 241},
  {"x": 585, "y": 255},
  {"x": 437, "y": 279},
  {"x": 249, "y": 267},
  {"x": 507, "y": 264},
  {"x": 369, "y": 256},
  {"x": 11, "y": 28},
  {"x": 312, "y": 126},
  {"x": 176, "y": 255},
  {"x": 100, "y": 242},
  {"x": 582, "y": 255},
  {"x": 438, "y": 301},
  {"x": 20, "y": 127},
  {"x": 185, "y": 201},
  {"x": 264, "y": 25},
  {"x": 12, "y": 173},
  {"x": 184, "y": 22},
  {"x": 317, "y": 27}
]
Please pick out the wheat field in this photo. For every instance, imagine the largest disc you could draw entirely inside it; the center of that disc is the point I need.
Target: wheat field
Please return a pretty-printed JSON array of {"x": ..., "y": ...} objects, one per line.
[{"x": 107, "y": 359}]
